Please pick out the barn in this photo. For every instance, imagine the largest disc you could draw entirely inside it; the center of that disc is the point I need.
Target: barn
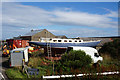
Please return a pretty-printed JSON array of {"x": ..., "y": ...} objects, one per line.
[{"x": 35, "y": 35}]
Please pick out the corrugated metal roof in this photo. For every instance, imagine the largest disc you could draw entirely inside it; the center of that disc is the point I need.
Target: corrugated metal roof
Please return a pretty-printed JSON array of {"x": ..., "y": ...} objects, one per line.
[{"x": 33, "y": 32}]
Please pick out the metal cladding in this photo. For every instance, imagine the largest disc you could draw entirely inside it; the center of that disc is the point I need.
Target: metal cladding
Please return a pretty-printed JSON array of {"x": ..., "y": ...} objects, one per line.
[
  {"x": 17, "y": 43},
  {"x": 25, "y": 43}
]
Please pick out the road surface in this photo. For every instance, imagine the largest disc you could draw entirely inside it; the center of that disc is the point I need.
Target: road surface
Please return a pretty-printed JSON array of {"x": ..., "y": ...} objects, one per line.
[{"x": 2, "y": 68}]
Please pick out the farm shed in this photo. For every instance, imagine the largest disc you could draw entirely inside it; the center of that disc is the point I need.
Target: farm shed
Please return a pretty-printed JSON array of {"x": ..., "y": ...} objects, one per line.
[
  {"x": 35, "y": 35},
  {"x": 17, "y": 43}
]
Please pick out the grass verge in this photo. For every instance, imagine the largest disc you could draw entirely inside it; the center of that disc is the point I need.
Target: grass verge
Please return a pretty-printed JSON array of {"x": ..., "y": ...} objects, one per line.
[{"x": 14, "y": 74}]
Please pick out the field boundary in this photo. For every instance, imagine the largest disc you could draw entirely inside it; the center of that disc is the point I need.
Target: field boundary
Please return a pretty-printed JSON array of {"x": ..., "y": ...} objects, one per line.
[{"x": 79, "y": 75}]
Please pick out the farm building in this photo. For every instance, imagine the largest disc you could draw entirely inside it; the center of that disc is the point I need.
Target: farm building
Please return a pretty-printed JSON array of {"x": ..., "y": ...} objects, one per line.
[
  {"x": 17, "y": 43},
  {"x": 35, "y": 35}
]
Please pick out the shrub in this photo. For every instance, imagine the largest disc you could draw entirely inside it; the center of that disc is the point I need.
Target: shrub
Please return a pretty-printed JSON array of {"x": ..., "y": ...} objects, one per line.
[
  {"x": 35, "y": 54},
  {"x": 39, "y": 53},
  {"x": 111, "y": 48},
  {"x": 75, "y": 59},
  {"x": 34, "y": 62}
]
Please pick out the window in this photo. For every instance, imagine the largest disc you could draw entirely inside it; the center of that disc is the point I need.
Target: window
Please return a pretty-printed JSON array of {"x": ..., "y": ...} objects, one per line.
[
  {"x": 59, "y": 40},
  {"x": 65, "y": 40},
  {"x": 96, "y": 55},
  {"x": 79, "y": 40},
  {"x": 54, "y": 40},
  {"x": 75, "y": 41},
  {"x": 70, "y": 41}
]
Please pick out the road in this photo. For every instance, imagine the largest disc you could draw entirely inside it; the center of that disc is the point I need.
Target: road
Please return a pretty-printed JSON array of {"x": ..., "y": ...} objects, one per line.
[{"x": 3, "y": 68}]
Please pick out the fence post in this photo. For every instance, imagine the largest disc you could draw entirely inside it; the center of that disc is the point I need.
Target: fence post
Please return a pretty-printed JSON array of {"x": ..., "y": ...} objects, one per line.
[{"x": 24, "y": 67}]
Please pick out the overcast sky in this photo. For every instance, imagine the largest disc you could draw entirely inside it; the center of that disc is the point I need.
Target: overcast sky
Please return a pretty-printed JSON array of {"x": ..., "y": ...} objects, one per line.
[{"x": 81, "y": 19}]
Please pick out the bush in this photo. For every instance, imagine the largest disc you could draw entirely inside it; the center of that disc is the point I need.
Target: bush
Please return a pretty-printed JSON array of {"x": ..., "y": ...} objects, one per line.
[
  {"x": 35, "y": 62},
  {"x": 111, "y": 48},
  {"x": 35, "y": 54},
  {"x": 75, "y": 59}
]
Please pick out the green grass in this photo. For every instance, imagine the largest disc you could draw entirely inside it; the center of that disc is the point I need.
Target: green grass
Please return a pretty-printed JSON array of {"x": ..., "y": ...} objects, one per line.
[{"x": 14, "y": 74}]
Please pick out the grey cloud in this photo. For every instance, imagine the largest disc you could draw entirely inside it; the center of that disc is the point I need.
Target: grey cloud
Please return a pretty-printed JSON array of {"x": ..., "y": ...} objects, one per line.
[
  {"x": 83, "y": 19},
  {"x": 21, "y": 15},
  {"x": 84, "y": 32},
  {"x": 17, "y": 16}
]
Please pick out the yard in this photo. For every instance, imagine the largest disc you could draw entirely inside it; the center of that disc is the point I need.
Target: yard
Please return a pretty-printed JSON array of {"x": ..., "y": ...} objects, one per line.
[{"x": 47, "y": 67}]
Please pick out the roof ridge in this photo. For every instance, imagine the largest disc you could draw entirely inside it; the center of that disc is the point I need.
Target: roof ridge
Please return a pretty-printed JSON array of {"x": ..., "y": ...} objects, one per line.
[{"x": 32, "y": 32}]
